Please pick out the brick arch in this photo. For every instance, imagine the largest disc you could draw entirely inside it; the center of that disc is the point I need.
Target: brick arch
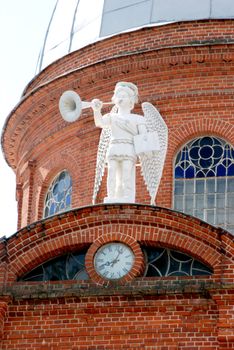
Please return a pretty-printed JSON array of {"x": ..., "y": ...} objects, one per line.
[
  {"x": 42, "y": 253},
  {"x": 199, "y": 128},
  {"x": 151, "y": 225},
  {"x": 65, "y": 162},
  {"x": 55, "y": 247}
]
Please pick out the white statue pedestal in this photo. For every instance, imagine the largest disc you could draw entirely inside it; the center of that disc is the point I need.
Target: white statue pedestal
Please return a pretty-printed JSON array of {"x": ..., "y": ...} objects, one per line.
[{"x": 119, "y": 200}]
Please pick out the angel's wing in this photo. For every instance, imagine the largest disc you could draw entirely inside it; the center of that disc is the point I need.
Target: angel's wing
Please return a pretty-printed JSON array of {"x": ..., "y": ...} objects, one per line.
[
  {"x": 101, "y": 157},
  {"x": 152, "y": 163}
]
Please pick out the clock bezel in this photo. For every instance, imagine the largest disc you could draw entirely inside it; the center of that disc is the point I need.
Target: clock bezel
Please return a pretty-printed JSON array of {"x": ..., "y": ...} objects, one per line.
[{"x": 138, "y": 264}]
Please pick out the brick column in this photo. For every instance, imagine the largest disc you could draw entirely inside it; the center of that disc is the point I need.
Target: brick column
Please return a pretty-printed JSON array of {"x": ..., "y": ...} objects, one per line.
[
  {"x": 31, "y": 167},
  {"x": 225, "y": 303},
  {"x": 19, "y": 198},
  {"x": 4, "y": 302}
]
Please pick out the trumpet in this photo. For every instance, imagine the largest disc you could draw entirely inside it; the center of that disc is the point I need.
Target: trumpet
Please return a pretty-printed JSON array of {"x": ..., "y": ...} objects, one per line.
[{"x": 71, "y": 106}]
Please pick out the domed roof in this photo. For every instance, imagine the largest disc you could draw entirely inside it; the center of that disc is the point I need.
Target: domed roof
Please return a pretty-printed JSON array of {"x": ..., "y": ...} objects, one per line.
[{"x": 77, "y": 23}]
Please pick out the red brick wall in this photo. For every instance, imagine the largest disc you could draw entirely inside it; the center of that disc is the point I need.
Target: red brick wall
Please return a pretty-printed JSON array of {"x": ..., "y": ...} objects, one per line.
[
  {"x": 117, "y": 322},
  {"x": 144, "y": 313},
  {"x": 185, "y": 69}
]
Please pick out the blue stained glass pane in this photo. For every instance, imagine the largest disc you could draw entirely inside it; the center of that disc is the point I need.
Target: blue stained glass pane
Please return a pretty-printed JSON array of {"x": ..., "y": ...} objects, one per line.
[
  {"x": 174, "y": 265},
  {"x": 154, "y": 254},
  {"x": 56, "y": 199},
  {"x": 179, "y": 173},
  {"x": 190, "y": 173},
  {"x": 60, "y": 197},
  {"x": 232, "y": 153},
  {"x": 200, "y": 174},
  {"x": 228, "y": 152},
  {"x": 61, "y": 186},
  {"x": 206, "y": 163},
  {"x": 180, "y": 256},
  {"x": 74, "y": 264},
  {"x": 206, "y": 141},
  {"x": 153, "y": 271},
  {"x": 66, "y": 182},
  {"x": 178, "y": 158},
  {"x": 218, "y": 151},
  {"x": 183, "y": 155},
  {"x": 62, "y": 176},
  {"x": 221, "y": 170},
  {"x": 52, "y": 209},
  {"x": 210, "y": 173},
  {"x": 186, "y": 267},
  {"x": 61, "y": 268},
  {"x": 196, "y": 162},
  {"x": 200, "y": 272},
  {"x": 46, "y": 211},
  {"x": 206, "y": 152},
  {"x": 227, "y": 162},
  {"x": 68, "y": 200},
  {"x": 230, "y": 170},
  {"x": 62, "y": 207},
  {"x": 55, "y": 189},
  {"x": 186, "y": 155},
  {"x": 225, "y": 153},
  {"x": 184, "y": 164},
  {"x": 178, "y": 273},
  {"x": 194, "y": 153},
  {"x": 194, "y": 143}
]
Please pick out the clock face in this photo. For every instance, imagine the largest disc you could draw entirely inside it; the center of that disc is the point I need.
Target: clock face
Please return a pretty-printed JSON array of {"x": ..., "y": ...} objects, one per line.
[{"x": 114, "y": 260}]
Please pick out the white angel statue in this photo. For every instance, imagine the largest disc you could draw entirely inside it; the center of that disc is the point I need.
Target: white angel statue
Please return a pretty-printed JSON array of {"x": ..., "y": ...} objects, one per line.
[{"x": 125, "y": 138}]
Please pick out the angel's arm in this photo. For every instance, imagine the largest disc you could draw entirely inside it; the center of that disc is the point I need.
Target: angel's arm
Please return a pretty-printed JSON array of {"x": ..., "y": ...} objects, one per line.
[
  {"x": 100, "y": 121},
  {"x": 142, "y": 129}
]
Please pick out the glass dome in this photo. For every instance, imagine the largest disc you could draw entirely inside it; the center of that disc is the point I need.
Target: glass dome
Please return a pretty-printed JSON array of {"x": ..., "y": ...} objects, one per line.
[{"x": 77, "y": 23}]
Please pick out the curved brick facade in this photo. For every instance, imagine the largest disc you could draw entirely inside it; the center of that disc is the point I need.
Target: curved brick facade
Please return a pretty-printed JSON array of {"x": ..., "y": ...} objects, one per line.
[
  {"x": 145, "y": 313},
  {"x": 186, "y": 70}
]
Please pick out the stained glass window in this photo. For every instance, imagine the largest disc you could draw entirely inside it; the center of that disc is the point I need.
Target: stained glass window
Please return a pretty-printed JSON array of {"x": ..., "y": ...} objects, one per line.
[
  {"x": 67, "y": 267},
  {"x": 159, "y": 262},
  {"x": 58, "y": 198},
  {"x": 165, "y": 262},
  {"x": 204, "y": 181}
]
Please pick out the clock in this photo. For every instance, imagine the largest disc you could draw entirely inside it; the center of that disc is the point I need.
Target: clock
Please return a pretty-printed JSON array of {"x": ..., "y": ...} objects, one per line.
[{"x": 114, "y": 260}]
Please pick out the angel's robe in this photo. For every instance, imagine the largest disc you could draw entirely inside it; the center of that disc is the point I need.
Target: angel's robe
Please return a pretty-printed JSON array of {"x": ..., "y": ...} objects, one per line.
[{"x": 123, "y": 129}]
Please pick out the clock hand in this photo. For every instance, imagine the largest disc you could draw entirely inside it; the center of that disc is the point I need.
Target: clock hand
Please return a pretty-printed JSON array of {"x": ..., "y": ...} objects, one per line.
[
  {"x": 120, "y": 251},
  {"x": 113, "y": 262},
  {"x": 108, "y": 263}
]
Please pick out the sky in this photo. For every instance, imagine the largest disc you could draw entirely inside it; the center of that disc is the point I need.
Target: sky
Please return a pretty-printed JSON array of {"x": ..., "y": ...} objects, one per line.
[{"x": 23, "y": 25}]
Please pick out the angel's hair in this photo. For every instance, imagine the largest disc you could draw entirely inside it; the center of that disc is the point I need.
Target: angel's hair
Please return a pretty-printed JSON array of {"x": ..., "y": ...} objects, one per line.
[{"x": 129, "y": 87}]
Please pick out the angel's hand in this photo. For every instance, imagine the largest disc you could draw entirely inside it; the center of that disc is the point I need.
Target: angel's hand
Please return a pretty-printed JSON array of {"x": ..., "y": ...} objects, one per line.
[{"x": 96, "y": 105}]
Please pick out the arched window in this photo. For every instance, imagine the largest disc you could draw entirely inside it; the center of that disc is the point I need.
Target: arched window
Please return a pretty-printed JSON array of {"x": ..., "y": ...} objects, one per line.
[
  {"x": 66, "y": 267},
  {"x": 167, "y": 262},
  {"x": 204, "y": 181},
  {"x": 159, "y": 262},
  {"x": 58, "y": 198}
]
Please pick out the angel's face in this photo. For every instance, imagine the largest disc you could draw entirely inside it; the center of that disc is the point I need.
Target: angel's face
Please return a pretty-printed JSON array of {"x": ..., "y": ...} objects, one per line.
[{"x": 122, "y": 98}]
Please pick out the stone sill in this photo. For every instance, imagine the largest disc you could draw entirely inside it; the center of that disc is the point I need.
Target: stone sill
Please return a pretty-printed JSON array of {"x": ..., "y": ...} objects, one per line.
[{"x": 139, "y": 287}]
